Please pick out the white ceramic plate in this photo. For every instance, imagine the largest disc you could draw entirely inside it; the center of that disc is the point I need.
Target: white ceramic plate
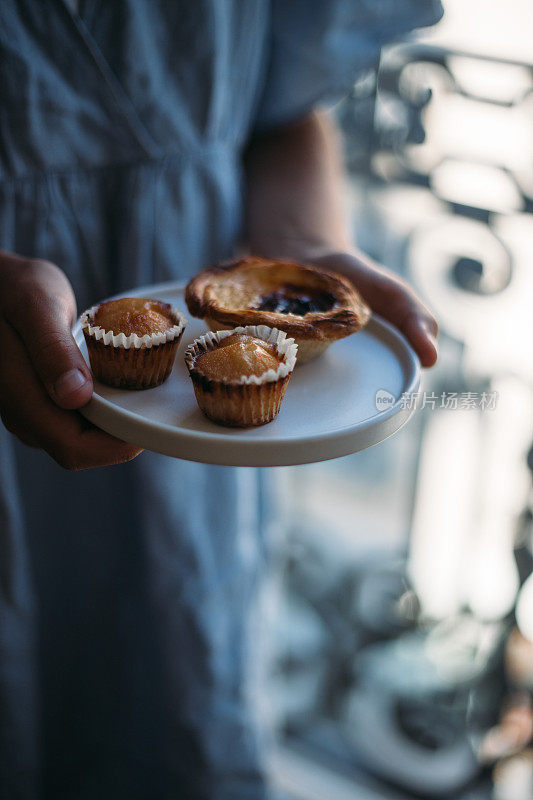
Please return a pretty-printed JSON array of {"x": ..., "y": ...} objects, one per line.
[{"x": 329, "y": 408}]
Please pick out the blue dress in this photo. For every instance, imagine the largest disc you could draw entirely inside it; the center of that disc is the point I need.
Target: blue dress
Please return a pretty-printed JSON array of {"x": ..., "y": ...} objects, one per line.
[{"x": 126, "y": 593}]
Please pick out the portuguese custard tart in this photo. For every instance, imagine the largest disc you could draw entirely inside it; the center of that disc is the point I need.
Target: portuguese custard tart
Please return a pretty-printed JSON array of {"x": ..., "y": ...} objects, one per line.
[
  {"x": 132, "y": 342},
  {"x": 240, "y": 376},
  {"x": 314, "y": 306}
]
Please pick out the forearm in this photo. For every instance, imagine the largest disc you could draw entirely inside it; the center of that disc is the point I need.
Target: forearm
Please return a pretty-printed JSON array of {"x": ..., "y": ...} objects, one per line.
[
  {"x": 295, "y": 191},
  {"x": 295, "y": 209},
  {"x": 296, "y": 202}
]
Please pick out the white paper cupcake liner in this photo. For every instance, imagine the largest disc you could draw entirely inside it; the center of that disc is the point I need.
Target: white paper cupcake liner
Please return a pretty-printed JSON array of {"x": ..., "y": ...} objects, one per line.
[
  {"x": 132, "y": 341},
  {"x": 285, "y": 346}
]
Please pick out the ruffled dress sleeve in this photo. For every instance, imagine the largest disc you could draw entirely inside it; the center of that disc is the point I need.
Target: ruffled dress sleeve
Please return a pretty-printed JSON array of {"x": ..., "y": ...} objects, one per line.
[{"x": 318, "y": 47}]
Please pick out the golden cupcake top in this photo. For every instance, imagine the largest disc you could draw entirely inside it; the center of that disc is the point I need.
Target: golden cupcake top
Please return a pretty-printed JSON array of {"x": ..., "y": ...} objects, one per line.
[
  {"x": 134, "y": 315},
  {"x": 237, "y": 355}
]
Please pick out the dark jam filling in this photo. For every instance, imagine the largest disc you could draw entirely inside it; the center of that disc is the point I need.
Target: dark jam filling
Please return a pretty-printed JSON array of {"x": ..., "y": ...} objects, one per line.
[{"x": 292, "y": 300}]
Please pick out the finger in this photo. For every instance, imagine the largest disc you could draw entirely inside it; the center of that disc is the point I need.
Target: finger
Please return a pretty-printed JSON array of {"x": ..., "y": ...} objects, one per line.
[
  {"x": 398, "y": 303},
  {"x": 43, "y": 321},
  {"x": 80, "y": 448},
  {"x": 419, "y": 332},
  {"x": 394, "y": 300},
  {"x": 32, "y": 416},
  {"x": 12, "y": 425},
  {"x": 65, "y": 436}
]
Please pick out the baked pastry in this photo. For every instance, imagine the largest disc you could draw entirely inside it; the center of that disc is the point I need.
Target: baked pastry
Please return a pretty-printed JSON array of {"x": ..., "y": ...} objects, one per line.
[
  {"x": 240, "y": 376},
  {"x": 312, "y": 305},
  {"x": 132, "y": 342}
]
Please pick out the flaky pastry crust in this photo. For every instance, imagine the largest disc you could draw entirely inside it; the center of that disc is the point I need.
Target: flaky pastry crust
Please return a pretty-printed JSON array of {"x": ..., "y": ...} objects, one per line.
[{"x": 227, "y": 295}]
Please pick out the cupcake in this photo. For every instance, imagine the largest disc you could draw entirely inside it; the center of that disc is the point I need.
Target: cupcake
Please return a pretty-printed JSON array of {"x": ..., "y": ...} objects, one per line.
[
  {"x": 132, "y": 342},
  {"x": 240, "y": 376}
]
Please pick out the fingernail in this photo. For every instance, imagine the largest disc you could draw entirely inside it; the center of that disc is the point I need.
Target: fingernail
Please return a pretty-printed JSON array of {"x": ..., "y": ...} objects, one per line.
[
  {"x": 69, "y": 382},
  {"x": 429, "y": 328}
]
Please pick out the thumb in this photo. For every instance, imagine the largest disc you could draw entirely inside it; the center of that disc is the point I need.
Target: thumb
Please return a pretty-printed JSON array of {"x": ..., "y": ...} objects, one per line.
[{"x": 44, "y": 326}]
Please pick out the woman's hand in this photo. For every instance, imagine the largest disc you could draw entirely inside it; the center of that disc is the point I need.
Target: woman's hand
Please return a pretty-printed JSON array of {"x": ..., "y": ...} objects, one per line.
[
  {"x": 43, "y": 375},
  {"x": 388, "y": 296}
]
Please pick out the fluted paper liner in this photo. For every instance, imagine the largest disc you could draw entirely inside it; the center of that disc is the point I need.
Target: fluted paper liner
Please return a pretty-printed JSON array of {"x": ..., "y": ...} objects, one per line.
[
  {"x": 251, "y": 399},
  {"x": 132, "y": 362}
]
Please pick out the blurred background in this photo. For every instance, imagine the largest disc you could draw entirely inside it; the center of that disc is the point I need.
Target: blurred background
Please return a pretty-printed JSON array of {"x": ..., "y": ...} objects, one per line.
[{"x": 403, "y": 620}]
